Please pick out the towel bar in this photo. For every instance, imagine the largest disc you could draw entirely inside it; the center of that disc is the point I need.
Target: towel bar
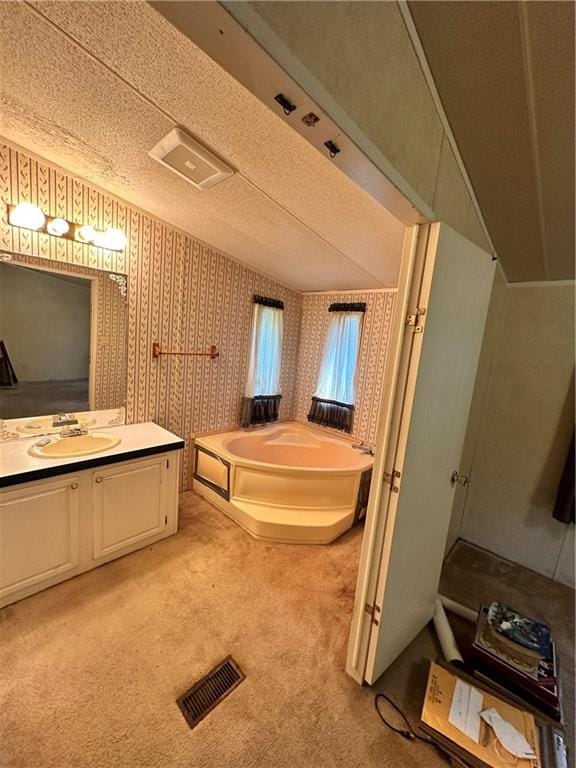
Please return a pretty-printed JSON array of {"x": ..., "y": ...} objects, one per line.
[{"x": 212, "y": 352}]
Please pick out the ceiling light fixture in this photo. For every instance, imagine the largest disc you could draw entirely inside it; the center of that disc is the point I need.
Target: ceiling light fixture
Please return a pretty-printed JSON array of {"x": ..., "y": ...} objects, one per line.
[
  {"x": 57, "y": 227},
  {"x": 112, "y": 239},
  {"x": 30, "y": 216},
  {"x": 26, "y": 215},
  {"x": 85, "y": 233}
]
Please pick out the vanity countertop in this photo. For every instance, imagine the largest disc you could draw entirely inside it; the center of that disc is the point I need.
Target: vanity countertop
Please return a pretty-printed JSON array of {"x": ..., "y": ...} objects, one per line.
[{"x": 137, "y": 441}]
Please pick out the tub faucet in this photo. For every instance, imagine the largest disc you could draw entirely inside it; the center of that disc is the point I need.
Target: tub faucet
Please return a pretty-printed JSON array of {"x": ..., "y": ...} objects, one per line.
[{"x": 364, "y": 448}]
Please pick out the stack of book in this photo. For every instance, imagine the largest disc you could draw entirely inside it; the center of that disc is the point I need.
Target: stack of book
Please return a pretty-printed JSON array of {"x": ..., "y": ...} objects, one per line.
[{"x": 518, "y": 656}]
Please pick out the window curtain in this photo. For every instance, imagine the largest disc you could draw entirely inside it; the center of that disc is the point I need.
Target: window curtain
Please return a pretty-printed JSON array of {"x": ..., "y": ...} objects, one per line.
[
  {"x": 262, "y": 394},
  {"x": 334, "y": 398}
]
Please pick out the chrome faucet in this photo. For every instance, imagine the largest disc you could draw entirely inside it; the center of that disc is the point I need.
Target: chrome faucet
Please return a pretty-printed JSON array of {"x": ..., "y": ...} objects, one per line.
[
  {"x": 63, "y": 420},
  {"x": 73, "y": 431},
  {"x": 364, "y": 449}
]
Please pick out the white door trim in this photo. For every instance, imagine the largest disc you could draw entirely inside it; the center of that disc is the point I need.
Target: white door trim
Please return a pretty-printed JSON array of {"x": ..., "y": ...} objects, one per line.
[
  {"x": 375, "y": 516},
  {"x": 401, "y": 412}
]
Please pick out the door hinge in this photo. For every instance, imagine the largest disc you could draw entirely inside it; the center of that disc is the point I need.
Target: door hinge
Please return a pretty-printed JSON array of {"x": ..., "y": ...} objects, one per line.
[
  {"x": 372, "y": 610},
  {"x": 390, "y": 477},
  {"x": 456, "y": 477},
  {"x": 412, "y": 320}
]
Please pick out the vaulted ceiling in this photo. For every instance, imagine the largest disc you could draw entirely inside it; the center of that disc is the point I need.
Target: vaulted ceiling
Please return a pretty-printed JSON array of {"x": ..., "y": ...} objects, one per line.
[
  {"x": 93, "y": 87},
  {"x": 505, "y": 74}
]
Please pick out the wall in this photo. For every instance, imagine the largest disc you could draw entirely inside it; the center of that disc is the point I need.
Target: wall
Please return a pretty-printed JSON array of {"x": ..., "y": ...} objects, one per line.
[
  {"x": 337, "y": 52},
  {"x": 520, "y": 427},
  {"x": 181, "y": 293},
  {"x": 111, "y": 310},
  {"x": 45, "y": 323},
  {"x": 372, "y": 359}
]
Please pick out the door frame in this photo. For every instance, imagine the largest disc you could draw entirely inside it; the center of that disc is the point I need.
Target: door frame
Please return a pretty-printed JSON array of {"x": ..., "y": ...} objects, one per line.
[{"x": 415, "y": 279}]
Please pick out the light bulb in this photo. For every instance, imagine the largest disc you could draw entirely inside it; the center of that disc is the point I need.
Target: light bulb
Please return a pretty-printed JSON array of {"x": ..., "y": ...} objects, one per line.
[
  {"x": 27, "y": 215},
  {"x": 113, "y": 239},
  {"x": 57, "y": 227},
  {"x": 86, "y": 233}
]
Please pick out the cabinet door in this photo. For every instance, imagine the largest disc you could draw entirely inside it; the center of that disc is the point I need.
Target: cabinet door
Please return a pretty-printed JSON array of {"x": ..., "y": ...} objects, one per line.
[
  {"x": 38, "y": 533},
  {"x": 129, "y": 505}
]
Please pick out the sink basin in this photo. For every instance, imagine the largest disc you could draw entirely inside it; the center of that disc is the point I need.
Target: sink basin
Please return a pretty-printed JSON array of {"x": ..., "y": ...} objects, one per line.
[
  {"x": 43, "y": 425},
  {"x": 69, "y": 447}
]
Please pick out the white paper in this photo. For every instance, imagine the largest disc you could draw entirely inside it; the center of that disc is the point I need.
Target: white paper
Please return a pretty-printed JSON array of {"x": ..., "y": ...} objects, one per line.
[
  {"x": 465, "y": 710},
  {"x": 560, "y": 751},
  {"x": 509, "y": 736}
]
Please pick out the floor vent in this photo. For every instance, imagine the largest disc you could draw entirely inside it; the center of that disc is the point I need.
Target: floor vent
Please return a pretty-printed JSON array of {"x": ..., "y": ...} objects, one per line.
[{"x": 208, "y": 692}]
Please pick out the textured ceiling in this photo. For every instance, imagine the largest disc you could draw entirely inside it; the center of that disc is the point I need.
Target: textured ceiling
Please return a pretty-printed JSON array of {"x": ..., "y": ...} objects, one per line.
[
  {"x": 505, "y": 74},
  {"x": 93, "y": 86}
]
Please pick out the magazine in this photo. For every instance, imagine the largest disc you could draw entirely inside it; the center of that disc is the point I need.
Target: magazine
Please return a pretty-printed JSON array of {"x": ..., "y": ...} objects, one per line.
[{"x": 532, "y": 636}]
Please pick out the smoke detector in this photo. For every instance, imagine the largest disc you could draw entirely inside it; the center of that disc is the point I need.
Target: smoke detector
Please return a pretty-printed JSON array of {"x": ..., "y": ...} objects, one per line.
[{"x": 189, "y": 159}]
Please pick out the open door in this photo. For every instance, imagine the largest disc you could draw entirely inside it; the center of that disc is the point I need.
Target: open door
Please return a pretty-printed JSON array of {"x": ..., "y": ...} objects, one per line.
[{"x": 422, "y": 444}]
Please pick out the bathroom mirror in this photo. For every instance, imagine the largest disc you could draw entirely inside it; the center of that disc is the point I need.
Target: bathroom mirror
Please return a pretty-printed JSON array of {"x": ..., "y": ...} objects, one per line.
[{"x": 63, "y": 338}]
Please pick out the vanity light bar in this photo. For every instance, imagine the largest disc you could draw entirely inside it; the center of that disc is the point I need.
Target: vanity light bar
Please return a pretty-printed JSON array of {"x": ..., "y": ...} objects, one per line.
[{"x": 30, "y": 216}]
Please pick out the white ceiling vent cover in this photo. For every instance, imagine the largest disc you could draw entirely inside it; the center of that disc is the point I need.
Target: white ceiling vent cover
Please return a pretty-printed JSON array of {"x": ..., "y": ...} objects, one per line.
[{"x": 189, "y": 159}]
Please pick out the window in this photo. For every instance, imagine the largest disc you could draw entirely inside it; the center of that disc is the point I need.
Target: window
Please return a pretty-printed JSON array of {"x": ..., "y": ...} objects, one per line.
[
  {"x": 262, "y": 394},
  {"x": 333, "y": 401}
]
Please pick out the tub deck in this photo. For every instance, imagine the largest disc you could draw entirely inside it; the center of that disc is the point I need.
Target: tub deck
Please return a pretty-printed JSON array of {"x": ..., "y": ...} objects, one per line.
[{"x": 284, "y": 483}]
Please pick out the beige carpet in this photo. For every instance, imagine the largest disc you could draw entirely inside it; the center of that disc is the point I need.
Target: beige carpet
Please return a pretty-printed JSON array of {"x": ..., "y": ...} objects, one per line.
[{"x": 91, "y": 668}]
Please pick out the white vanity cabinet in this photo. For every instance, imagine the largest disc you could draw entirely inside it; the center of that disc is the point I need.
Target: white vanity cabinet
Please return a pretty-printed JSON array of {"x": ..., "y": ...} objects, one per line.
[{"x": 53, "y": 529}]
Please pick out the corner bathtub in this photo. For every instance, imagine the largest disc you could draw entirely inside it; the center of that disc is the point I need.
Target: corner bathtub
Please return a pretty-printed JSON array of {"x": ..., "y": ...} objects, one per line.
[{"x": 284, "y": 483}]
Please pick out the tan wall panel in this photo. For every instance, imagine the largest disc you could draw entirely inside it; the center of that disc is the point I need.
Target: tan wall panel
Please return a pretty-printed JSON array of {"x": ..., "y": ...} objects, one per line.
[
  {"x": 474, "y": 230},
  {"x": 451, "y": 197},
  {"x": 526, "y": 423},
  {"x": 476, "y": 56},
  {"x": 489, "y": 342},
  {"x": 567, "y": 559},
  {"x": 553, "y": 62}
]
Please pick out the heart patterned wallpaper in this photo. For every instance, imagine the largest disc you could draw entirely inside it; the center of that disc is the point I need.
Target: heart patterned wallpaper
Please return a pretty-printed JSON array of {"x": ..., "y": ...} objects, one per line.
[
  {"x": 186, "y": 295},
  {"x": 181, "y": 293}
]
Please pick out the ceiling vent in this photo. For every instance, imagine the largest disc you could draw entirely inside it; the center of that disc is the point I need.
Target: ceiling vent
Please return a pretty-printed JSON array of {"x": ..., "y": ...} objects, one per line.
[{"x": 189, "y": 159}]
